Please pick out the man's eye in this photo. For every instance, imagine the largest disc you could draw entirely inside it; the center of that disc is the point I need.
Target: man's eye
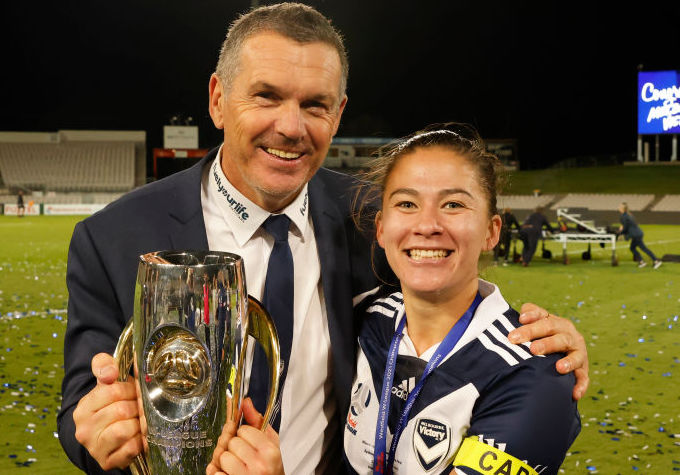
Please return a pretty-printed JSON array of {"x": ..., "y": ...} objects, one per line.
[
  {"x": 269, "y": 96},
  {"x": 315, "y": 106}
]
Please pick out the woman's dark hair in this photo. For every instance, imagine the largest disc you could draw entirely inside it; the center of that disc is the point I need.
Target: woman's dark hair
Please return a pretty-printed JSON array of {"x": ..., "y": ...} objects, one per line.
[{"x": 460, "y": 138}]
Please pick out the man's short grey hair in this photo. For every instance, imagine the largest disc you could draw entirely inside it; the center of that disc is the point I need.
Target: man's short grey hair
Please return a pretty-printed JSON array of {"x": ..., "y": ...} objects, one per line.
[{"x": 295, "y": 21}]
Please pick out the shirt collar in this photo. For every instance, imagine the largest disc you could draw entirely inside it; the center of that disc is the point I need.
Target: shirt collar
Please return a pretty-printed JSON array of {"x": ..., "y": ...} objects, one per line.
[{"x": 245, "y": 217}]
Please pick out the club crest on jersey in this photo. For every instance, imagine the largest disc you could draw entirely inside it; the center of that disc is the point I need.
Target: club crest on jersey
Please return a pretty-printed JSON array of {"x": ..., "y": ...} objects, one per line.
[
  {"x": 361, "y": 397},
  {"x": 431, "y": 442}
]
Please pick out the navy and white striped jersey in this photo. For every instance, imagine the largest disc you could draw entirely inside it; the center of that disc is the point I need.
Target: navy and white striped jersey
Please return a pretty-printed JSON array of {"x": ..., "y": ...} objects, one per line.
[{"x": 485, "y": 387}]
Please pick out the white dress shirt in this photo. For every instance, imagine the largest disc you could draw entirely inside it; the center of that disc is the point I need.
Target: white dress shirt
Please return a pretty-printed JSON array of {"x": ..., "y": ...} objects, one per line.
[{"x": 233, "y": 224}]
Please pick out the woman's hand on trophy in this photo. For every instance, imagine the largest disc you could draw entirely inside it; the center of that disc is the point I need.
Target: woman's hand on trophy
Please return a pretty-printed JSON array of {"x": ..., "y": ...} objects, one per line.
[
  {"x": 107, "y": 418},
  {"x": 247, "y": 450},
  {"x": 552, "y": 334}
]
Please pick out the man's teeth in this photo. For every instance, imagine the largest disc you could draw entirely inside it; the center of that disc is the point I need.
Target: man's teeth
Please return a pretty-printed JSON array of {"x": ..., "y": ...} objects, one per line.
[
  {"x": 419, "y": 254},
  {"x": 283, "y": 154}
]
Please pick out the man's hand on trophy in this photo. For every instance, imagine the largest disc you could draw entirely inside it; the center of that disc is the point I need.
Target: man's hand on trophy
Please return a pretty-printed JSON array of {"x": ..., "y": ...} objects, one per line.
[
  {"x": 107, "y": 418},
  {"x": 247, "y": 450}
]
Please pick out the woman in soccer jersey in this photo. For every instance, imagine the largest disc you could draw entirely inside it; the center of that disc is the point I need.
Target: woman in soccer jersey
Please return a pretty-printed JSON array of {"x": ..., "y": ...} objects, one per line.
[{"x": 438, "y": 383}]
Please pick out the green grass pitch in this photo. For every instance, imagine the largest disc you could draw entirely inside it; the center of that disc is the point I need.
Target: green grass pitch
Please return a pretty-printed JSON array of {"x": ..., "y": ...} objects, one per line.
[{"x": 629, "y": 317}]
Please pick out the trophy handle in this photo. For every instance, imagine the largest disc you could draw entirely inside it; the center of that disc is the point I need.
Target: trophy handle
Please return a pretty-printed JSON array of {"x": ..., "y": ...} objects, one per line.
[
  {"x": 124, "y": 354},
  {"x": 261, "y": 327}
]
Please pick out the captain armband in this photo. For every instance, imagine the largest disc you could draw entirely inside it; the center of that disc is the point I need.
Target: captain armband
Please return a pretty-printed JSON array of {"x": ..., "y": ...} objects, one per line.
[{"x": 489, "y": 460}]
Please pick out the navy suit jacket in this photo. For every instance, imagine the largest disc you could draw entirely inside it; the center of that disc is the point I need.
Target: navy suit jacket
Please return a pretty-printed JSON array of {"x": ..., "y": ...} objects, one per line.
[{"x": 167, "y": 214}]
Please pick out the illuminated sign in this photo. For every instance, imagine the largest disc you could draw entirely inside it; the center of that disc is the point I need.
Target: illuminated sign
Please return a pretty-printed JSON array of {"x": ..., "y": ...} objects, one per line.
[{"x": 659, "y": 102}]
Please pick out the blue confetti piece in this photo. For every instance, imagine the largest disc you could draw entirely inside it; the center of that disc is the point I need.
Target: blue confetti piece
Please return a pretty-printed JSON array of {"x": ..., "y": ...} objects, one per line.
[
  {"x": 579, "y": 304},
  {"x": 616, "y": 439},
  {"x": 634, "y": 467},
  {"x": 667, "y": 375},
  {"x": 622, "y": 363},
  {"x": 631, "y": 355},
  {"x": 54, "y": 335},
  {"x": 591, "y": 468},
  {"x": 675, "y": 318},
  {"x": 661, "y": 429},
  {"x": 623, "y": 306},
  {"x": 12, "y": 456},
  {"x": 641, "y": 340}
]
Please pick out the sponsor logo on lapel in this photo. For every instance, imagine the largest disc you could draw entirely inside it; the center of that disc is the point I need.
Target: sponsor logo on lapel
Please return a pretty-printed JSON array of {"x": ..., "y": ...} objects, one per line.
[
  {"x": 431, "y": 442},
  {"x": 237, "y": 207},
  {"x": 303, "y": 208},
  {"x": 361, "y": 398}
]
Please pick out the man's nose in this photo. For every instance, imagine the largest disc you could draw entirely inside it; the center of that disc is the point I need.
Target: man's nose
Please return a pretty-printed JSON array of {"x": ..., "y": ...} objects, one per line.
[{"x": 290, "y": 122}]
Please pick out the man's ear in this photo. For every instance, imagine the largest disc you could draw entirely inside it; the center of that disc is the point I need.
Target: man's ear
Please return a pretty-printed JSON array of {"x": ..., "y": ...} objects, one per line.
[
  {"x": 216, "y": 101},
  {"x": 341, "y": 108}
]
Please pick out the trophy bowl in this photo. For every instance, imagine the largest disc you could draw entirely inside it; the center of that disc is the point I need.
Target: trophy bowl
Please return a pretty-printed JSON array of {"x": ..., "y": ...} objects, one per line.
[{"x": 186, "y": 343}]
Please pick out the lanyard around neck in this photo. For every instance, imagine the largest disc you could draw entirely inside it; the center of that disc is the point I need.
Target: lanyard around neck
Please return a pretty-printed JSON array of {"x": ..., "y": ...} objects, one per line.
[{"x": 381, "y": 464}]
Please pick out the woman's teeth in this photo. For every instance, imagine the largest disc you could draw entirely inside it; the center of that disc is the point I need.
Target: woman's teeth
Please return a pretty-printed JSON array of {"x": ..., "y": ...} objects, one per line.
[
  {"x": 283, "y": 154},
  {"x": 419, "y": 254}
]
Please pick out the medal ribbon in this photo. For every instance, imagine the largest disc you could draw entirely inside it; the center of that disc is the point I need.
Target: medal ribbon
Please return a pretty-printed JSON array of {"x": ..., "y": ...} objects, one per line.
[{"x": 383, "y": 465}]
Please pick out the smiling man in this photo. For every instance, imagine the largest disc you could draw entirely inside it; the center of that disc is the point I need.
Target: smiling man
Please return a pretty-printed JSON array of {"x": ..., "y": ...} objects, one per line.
[{"x": 278, "y": 93}]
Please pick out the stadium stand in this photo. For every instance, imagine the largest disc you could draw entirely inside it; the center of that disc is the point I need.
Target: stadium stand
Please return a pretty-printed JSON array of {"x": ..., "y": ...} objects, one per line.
[
  {"x": 668, "y": 203},
  {"x": 523, "y": 201},
  {"x": 72, "y": 161},
  {"x": 604, "y": 202},
  {"x": 84, "y": 166}
]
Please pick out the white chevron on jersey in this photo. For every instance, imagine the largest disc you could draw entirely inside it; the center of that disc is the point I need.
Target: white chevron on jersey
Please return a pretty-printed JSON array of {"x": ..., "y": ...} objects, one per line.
[{"x": 430, "y": 454}]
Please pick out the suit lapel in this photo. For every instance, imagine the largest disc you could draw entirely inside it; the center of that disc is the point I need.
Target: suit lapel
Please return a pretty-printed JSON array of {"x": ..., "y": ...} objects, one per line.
[
  {"x": 332, "y": 246},
  {"x": 187, "y": 228}
]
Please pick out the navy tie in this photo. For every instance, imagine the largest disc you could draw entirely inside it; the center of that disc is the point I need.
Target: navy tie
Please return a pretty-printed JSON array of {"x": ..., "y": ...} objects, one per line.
[{"x": 278, "y": 300}]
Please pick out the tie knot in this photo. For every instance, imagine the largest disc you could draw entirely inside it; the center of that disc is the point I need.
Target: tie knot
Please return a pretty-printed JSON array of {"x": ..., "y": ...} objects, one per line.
[{"x": 277, "y": 225}]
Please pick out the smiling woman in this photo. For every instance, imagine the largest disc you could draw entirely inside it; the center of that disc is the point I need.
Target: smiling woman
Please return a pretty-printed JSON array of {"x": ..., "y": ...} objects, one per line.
[{"x": 451, "y": 392}]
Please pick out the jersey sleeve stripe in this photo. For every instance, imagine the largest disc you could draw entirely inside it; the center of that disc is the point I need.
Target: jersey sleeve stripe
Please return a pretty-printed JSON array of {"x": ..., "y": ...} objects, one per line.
[
  {"x": 388, "y": 312},
  {"x": 503, "y": 320},
  {"x": 503, "y": 339},
  {"x": 503, "y": 353}
]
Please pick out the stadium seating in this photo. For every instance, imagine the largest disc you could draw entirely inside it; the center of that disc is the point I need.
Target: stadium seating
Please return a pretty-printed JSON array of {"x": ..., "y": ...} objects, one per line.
[
  {"x": 75, "y": 166},
  {"x": 668, "y": 203},
  {"x": 603, "y": 202},
  {"x": 523, "y": 201}
]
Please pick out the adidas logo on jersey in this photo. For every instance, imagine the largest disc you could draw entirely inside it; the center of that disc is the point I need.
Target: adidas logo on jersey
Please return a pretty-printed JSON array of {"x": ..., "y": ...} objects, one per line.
[{"x": 405, "y": 387}]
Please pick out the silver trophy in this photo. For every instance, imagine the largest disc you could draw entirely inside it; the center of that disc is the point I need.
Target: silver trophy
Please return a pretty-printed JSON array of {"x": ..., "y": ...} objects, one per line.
[{"x": 187, "y": 343}]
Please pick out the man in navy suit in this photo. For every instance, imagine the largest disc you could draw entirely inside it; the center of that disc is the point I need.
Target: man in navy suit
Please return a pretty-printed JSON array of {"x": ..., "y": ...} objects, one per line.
[{"x": 278, "y": 93}]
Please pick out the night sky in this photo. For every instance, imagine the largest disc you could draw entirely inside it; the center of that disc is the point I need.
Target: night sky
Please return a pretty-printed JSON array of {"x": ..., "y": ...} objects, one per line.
[{"x": 560, "y": 77}]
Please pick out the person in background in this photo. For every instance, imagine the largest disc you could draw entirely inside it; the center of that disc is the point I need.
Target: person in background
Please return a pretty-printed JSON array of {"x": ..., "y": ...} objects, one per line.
[
  {"x": 630, "y": 230},
  {"x": 439, "y": 386},
  {"x": 503, "y": 247},
  {"x": 20, "y": 204},
  {"x": 530, "y": 233}
]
